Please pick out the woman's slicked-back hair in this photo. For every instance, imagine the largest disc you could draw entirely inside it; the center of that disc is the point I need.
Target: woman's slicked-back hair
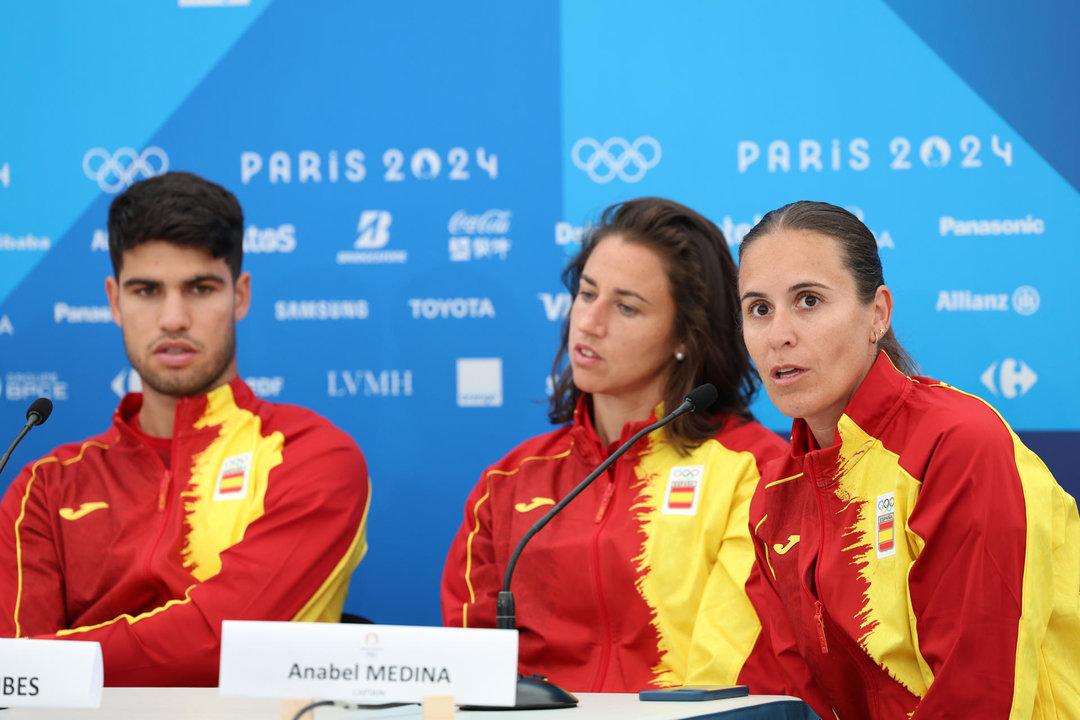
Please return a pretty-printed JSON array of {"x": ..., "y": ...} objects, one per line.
[
  {"x": 704, "y": 286},
  {"x": 858, "y": 248}
]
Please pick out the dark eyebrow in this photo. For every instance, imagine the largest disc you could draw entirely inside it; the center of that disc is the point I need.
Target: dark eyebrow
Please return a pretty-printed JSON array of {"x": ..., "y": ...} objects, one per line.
[
  {"x": 794, "y": 288},
  {"x": 196, "y": 280},
  {"x": 619, "y": 291}
]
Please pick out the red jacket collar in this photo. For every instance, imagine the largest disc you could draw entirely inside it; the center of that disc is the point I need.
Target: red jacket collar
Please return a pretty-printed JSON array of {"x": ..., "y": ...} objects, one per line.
[
  {"x": 588, "y": 442},
  {"x": 872, "y": 407},
  {"x": 188, "y": 409}
]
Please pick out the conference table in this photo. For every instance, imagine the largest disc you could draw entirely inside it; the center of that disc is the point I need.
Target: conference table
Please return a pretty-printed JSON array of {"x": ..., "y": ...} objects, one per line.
[{"x": 208, "y": 704}]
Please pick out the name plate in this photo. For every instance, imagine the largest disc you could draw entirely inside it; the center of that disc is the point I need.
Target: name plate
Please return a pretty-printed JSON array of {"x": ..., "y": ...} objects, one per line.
[
  {"x": 50, "y": 673},
  {"x": 368, "y": 664}
]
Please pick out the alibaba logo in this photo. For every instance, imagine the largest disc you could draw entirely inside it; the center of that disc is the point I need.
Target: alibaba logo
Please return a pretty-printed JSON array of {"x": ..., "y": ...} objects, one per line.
[
  {"x": 783, "y": 549},
  {"x": 84, "y": 510},
  {"x": 533, "y": 504}
]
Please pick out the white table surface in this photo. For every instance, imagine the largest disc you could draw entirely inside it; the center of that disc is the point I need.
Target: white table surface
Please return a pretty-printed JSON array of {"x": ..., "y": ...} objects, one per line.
[{"x": 208, "y": 704}]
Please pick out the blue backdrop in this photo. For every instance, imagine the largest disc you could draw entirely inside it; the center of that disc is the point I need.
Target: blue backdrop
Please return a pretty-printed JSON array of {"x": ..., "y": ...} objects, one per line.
[{"x": 415, "y": 175}]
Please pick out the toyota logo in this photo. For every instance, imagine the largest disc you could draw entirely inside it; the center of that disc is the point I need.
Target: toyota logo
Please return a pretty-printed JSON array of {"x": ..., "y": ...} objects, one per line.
[
  {"x": 115, "y": 172},
  {"x": 616, "y": 158}
]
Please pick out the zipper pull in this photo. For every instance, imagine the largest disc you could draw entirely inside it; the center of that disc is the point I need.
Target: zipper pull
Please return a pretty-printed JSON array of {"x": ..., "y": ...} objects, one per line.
[
  {"x": 604, "y": 501},
  {"x": 165, "y": 478},
  {"x": 820, "y": 617}
]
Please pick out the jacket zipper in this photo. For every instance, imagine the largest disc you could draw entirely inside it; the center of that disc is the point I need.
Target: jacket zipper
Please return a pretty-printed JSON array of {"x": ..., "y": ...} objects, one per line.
[
  {"x": 820, "y": 617},
  {"x": 600, "y": 522},
  {"x": 163, "y": 490}
]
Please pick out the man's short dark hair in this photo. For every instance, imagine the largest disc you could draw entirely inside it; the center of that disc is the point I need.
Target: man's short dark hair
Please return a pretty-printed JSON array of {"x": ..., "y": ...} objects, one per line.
[{"x": 179, "y": 208}]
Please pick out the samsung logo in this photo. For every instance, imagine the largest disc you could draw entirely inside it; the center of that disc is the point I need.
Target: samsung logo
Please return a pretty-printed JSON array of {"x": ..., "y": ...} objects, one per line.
[{"x": 321, "y": 310}]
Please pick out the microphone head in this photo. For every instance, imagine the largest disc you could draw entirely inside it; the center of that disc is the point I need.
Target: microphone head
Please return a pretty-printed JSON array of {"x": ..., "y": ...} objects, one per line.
[
  {"x": 39, "y": 411},
  {"x": 702, "y": 397}
]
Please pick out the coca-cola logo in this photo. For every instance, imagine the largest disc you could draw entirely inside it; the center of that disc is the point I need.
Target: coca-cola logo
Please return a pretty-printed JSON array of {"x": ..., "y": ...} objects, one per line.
[{"x": 492, "y": 222}]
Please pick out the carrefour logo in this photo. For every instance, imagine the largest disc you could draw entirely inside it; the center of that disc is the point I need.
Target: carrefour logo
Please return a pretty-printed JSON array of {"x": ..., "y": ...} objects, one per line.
[{"x": 1009, "y": 378}]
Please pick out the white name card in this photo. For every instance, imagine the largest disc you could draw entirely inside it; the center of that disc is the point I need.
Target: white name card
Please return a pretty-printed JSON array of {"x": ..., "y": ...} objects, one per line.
[
  {"x": 50, "y": 673},
  {"x": 368, "y": 664}
]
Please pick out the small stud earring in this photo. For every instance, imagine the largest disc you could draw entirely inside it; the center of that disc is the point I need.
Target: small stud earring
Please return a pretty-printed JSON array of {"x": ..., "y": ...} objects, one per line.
[{"x": 680, "y": 355}]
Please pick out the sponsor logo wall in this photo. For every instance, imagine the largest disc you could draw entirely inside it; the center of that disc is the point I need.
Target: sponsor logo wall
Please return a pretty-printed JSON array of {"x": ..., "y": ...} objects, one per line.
[{"x": 411, "y": 197}]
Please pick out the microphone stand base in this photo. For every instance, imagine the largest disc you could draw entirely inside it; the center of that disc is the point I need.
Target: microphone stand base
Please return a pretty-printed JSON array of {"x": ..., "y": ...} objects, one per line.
[{"x": 534, "y": 692}]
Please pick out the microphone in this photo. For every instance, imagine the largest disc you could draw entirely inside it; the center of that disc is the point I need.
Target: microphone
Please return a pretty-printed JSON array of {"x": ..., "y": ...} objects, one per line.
[
  {"x": 699, "y": 398},
  {"x": 36, "y": 414}
]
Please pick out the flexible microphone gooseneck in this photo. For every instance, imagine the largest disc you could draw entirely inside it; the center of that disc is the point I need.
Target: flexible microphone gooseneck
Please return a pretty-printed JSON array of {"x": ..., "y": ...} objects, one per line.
[
  {"x": 699, "y": 398},
  {"x": 536, "y": 692},
  {"x": 36, "y": 414}
]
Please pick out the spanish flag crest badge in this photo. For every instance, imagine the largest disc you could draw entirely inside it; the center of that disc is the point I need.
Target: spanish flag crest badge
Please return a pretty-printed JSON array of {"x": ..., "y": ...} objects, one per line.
[
  {"x": 683, "y": 490},
  {"x": 232, "y": 481},
  {"x": 885, "y": 525}
]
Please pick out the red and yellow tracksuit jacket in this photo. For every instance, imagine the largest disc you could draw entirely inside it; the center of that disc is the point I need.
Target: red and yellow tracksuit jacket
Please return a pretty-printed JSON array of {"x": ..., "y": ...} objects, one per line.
[
  {"x": 926, "y": 566},
  {"x": 608, "y": 592},
  {"x": 260, "y": 516}
]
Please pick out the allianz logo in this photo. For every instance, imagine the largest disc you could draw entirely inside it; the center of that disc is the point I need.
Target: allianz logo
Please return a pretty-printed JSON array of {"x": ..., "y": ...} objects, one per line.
[
  {"x": 369, "y": 383},
  {"x": 1024, "y": 300},
  {"x": 78, "y": 314},
  {"x": 457, "y": 308},
  {"x": 491, "y": 222},
  {"x": 556, "y": 305},
  {"x": 1009, "y": 378},
  {"x": 281, "y": 239}
]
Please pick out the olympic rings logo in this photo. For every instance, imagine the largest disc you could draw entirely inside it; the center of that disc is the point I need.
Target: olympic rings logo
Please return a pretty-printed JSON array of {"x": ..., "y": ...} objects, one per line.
[
  {"x": 117, "y": 171},
  {"x": 886, "y": 504},
  {"x": 627, "y": 162},
  {"x": 685, "y": 473}
]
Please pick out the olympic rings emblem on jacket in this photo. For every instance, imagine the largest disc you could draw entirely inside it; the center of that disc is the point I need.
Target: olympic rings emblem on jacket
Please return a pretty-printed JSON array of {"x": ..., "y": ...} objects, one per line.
[
  {"x": 627, "y": 156},
  {"x": 114, "y": 172}
]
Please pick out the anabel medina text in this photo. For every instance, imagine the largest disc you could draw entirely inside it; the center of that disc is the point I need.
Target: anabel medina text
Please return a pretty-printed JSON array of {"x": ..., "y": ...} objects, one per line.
[{"x": 372, "y": 673}]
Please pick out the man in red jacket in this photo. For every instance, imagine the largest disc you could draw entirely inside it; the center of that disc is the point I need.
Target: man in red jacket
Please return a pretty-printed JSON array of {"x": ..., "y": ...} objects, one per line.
[{"x": 202, "y": 502}]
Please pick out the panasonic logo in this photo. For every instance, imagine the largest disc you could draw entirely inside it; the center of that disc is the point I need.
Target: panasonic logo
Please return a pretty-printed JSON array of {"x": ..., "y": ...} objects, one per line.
[
  {"x": 321, "y": 310},
  {"x": 62, "y": 312},
  {"x": 458, "y": 308},
  {"x": 1027, "y": 225}
]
